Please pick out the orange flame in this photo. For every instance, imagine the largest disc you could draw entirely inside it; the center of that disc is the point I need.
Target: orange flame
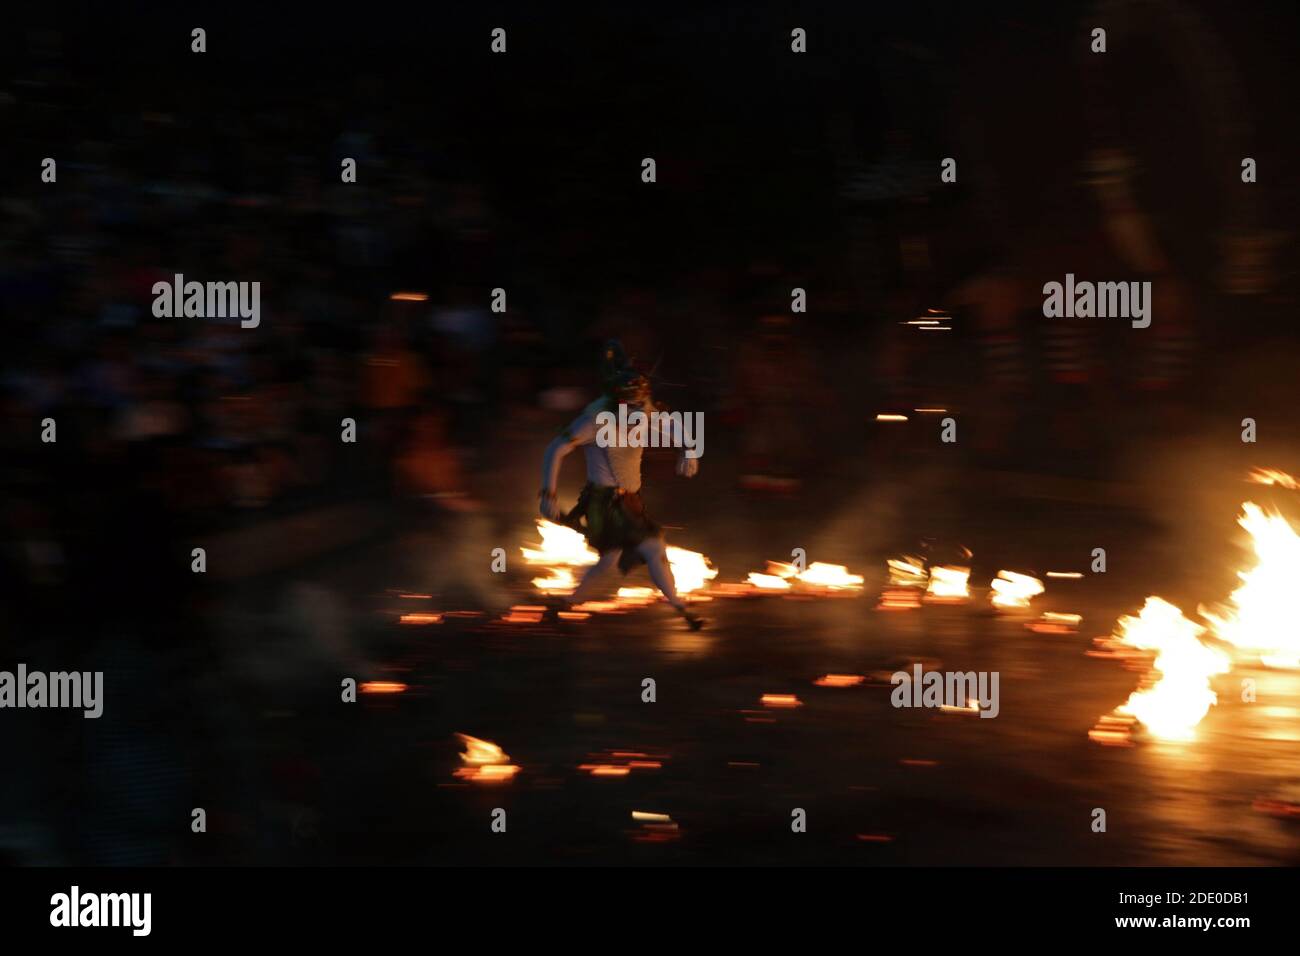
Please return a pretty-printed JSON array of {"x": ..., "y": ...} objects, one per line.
[
  {"x": 1260, "y": 616},
  {"x": 1171, "y": 705},
  {"x": 948, "y": 585}
]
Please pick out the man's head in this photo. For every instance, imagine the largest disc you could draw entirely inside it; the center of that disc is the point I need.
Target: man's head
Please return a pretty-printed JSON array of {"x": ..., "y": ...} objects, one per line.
[
  {"x": 623, "y": 383},
  {"x": 628, "y": 386}
]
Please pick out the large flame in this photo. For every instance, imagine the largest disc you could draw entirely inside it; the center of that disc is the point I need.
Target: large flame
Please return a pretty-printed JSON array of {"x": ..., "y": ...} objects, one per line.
[
  {"x": 562, "y": 549},
  {"x": 691, "y": 570},
  {"x": 1171, "y": 705},
  {"x": 1260, "y": 616}
]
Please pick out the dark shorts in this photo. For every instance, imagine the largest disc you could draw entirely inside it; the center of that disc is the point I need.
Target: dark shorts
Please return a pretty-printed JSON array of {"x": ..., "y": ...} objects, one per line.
[{"x": 611, "y": 520}]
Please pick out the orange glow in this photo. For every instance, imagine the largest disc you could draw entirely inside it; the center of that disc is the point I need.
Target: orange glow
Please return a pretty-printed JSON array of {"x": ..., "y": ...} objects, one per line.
[
  {"x": 899, "y": 599},
  {"x": 781, "y": 700},
  {"x": 619, "y": 763},
  {"x": 655, "y": 827},
  {"x": 832, "y": 577},
  {"x": 484, "y": 762},
  {"x": 382, "y": 687},
  {"x": 1277, "y": 808},
  {"x": 1056, "y": 622},
  {"x": 818, "y": 576},
  {"x": 524, "y": 614},
  {"x": 1114, "y": 730},
  {"x": 409, "y": 297},
  {"x": 768, "y": 582},
  {"x": 891, "y": 418},
  {"x": 605, "y": 769},
  {"x": 1013, "y": 591},
  {"x": 420, "y": 619},
  {"x": 839, "y": 680},
  {"x": 948, "y": 585},
  {"x": 1271, "y": 476}
]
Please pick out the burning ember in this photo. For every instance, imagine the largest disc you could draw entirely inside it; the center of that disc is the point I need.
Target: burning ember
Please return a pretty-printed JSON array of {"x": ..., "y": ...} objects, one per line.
[
  {"x": 1113, "y": 730},
  {"x": 655, "y": 827},
  {"x": 484, "y": 761},
  {"x": 420, "y": 619},
  {"x": 525, "y": 614},
  {"x": 621, "y": 763},
  {"x": 382, "y": 687},
  {"x": 1260, "y": 616},
  {"x": 1056, "y": 622},
  {"x": 781, "y": 700},
  {"x": 1014, "y": 591},
  {"x": 818, "y": 576},
  {"x": 839, "y": 680},
  {"x": 1171, "y": 705}
]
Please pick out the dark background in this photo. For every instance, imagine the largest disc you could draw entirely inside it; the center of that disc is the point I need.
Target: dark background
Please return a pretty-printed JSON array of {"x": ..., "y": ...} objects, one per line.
[{"x": 522, "y": 171}]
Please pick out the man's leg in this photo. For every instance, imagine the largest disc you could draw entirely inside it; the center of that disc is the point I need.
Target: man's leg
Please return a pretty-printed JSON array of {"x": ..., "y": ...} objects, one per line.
[
  {"x": 655, "y": 553},
  {"x": 591, "y": 578}
]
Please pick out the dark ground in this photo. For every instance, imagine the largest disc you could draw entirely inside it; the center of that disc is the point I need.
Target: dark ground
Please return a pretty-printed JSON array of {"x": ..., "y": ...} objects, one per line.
[{"x": 1018, "y": 789}]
